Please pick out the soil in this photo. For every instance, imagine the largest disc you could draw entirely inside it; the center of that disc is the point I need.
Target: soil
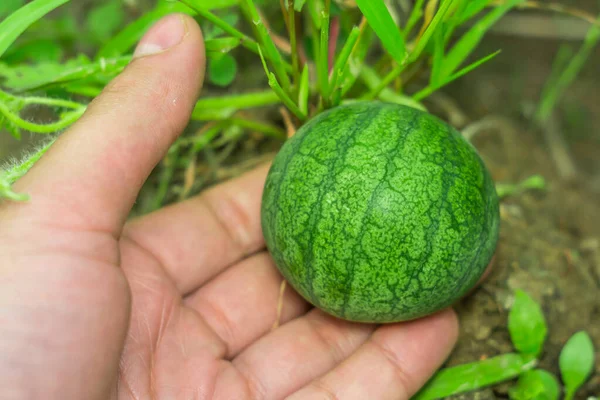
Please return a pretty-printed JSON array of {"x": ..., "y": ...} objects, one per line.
[{"x": 550, "y": 239}]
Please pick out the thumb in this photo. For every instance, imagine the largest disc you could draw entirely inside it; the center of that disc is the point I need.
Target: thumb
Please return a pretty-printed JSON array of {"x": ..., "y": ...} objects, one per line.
[{"x": 91, "y": 176}]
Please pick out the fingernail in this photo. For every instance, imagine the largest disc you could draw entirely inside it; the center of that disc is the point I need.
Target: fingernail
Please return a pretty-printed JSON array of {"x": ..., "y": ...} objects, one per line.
[{"x": 166, "y": 33}]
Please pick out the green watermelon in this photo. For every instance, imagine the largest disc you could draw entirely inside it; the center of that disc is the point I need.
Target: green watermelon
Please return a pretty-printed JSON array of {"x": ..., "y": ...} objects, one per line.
[{"x": 380, "y": 213}]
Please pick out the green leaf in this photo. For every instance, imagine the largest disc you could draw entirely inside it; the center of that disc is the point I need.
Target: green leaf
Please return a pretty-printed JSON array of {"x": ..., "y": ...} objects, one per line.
[
  {"x": 527, "y": 325},
  {"x": 267, "y": 45},
  {"x": 221, "y": 45},
  {"x": 469, "y": 41},
  {"x": 535, "y": 385},
  {"x": 432, "y": 88},
  {"x": 298, "y": 4},
  {"x": 12, "y": 27},
  {"x": 468, "y": 377},
  {"x": 471, "y": 9},
  {"x": 36, "y": 51},
  {"x": 26, "y": 78},
  {"x": 222, "y": 70},
  {"x": 415, "y": 16},
  {"x": 105, "y": 19},
  {"x": 576, "y": 362},
  {"x": 304, "y": 91},
  {"x": 554, "y": 88},
  {"x": 434, "y": 26},
  {"x": 9, "y": 6},
  {"x": 383, "y": 24}
]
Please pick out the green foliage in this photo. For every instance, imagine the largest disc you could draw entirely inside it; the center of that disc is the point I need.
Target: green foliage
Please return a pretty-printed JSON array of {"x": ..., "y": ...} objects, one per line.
[
  {"x": 222, "y": 70},
  {"x": 15, "y": 24},
  {"x": 477, "y": 375},
  {"x": 103, "y": 21},
  {"x": 534, "y": 182},
  {"x": 576, "y": 362},
  {"x": 527, "y": 325},
  {"x": 7, "y": 7},
  {"x": 385, "y": 27},
  {"x": 564, "y": 73},
  {"x": 535, "y": 385}
]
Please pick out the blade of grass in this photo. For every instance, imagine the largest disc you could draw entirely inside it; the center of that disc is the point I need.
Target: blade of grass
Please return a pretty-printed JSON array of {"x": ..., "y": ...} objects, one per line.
[
  {"x": 467, "y": 43},
  {"x": 438, "y": 57},
  {"x": 477, "y": 375},
  {"x": 342, "y": 60},
  {"x": 77, "y": 73},
  {"x": 323, "y": 60},
  {"x": 554, "y": 89},
  {"x": 294, "y": 42},
  {"x": 436, "y": 23},
  {"x": 16, "y": 23},
  {"x": 357, "y": 57},
  {"x": 283, "y": 96},
  {"x": 304, "y": 91},
  {"x": 473, "y": 7},
  {"x": 261, "y": 127},
  {"x": 384, "y": 26},
  {"x": 298, "y": 4},
  {"x": 430, "y": 89},
  {"x": 414, "y": 55},
  {"x": 246, "y": 40},
  {"x": 372, "y": 80},
  {"x": 454, "y": 20},
  {"x": 268, "y": 46},
  {"x": 415, "y": 16},
  {"x": 217, "y": 108}
]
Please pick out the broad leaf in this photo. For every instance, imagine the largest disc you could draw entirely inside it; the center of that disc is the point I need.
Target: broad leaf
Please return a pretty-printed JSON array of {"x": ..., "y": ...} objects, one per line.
[
  {"x": 535, "y": 385},
  {"x": 576, "y": 362},
  {"x": 527, "y": 325}
]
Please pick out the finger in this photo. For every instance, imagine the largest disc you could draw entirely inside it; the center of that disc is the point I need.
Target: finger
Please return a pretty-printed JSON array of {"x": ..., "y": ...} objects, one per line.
[
  {"x": 92, "y": 174},
  {"x": 292, "y": 356},
  {"x": 240, "y": 305},
  {"x": 196, "y": 239},
  {"x": 394, "y": 364}
]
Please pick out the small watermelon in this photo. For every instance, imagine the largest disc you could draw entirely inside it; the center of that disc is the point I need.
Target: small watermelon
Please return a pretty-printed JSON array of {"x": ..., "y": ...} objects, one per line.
[{"x": 378, "y": 212}]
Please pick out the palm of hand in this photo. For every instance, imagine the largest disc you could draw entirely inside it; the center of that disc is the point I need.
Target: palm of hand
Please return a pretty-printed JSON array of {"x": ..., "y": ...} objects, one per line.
[{"x": 180, "y": 303}]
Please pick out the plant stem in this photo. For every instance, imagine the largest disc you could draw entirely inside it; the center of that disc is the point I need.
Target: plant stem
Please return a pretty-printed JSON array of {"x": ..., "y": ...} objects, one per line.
[
  {"x": 323, "y": 62},
  {"x": 289, "y": 103},
  {"x": 268, "y": 46},
  {"x": 389, "y": 78},
  {"x": 239, "y": 101},
  {"x": 15, "y": 172},
  {"x": 342, "y": 60},
  {"x": 40, "y": 128},
  {"x": 246, "y": 40},
  {"x": 294, "y": 43}
]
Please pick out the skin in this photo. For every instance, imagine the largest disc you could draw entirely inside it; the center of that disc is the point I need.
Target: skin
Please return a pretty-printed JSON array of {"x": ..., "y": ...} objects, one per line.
[{"x": 178, "y": 304}]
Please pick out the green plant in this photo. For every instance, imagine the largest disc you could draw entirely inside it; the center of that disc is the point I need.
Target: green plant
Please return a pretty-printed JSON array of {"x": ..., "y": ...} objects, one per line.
[
  {"x": 312, "y": 69},
  {"x": 528, "y": 330}
]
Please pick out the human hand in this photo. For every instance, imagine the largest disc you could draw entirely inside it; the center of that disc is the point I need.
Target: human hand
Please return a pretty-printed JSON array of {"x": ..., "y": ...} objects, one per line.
[{"x": 178, "y": 304}]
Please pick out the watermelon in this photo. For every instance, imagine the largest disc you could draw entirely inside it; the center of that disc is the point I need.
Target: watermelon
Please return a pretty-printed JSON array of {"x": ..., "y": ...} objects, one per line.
[{"x": 379, "y": 213}]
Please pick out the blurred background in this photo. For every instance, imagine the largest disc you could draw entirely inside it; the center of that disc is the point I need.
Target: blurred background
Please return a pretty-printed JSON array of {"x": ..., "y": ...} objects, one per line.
[{"x": 550, "y": 238}]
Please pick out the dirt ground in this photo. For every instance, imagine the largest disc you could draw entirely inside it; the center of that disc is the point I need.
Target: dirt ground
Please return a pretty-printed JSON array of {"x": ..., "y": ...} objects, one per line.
[{"x": 550, "y": 239}]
